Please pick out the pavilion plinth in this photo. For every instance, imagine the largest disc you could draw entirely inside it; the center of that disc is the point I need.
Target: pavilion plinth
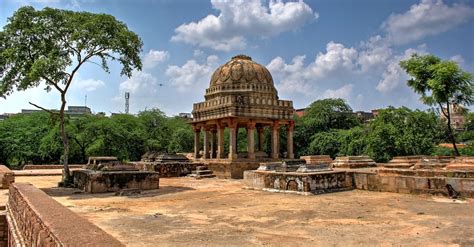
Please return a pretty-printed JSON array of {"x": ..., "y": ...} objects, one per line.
[{"x": 241, "y": 95}]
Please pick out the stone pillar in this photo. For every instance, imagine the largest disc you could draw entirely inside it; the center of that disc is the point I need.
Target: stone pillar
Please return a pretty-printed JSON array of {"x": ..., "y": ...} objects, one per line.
[
  {"x": 251, "y": 140},
  {"x": 232, "y": 140},
  {"x": 220, "y": 142},
  {"x": 260, "y": 138},
  {"x": 206, "y": 144},
  {"x": 197, "y": 136},
  {"x": 275, "y": 139},
  {"x": 213, "y": 144},
  {"x": 289, "y": 140}
]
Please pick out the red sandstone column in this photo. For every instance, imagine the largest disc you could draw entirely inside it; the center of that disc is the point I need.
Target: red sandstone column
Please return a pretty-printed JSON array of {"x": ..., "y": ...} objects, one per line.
[
  {"x": 251, "y": 140},
  {"x": 197, "y": 135},
  {"x": 213, "y": 144},
  {"x": 232, "y": 139},
  {"x": 275, "y": 139},
  {"x": 206, "y": 144},
  {"x": 220, "y": 142},
  {"x": 260, "y": 138},
  {"x": 289, "y": 140}
]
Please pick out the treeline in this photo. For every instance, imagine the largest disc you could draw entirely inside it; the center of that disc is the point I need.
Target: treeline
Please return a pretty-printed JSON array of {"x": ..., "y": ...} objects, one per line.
[
  {"x": 330, "y": 127},
  {"x": 327, "y": 127},
  {"x": 34, "y": 138}
]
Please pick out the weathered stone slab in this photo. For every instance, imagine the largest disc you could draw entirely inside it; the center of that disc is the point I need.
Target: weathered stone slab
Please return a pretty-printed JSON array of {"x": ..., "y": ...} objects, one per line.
[
  {"x": 168, "y": 169},
  {"x": 41, "y": 167},
  {"x": 461, "y": 164},
  {"x": 35, "y": 219},
  {"x": 317, "y": 159},
  {"x": 352, "y": 162},
  {"x": 6, "y": 177},
  {"x": 112, "y": 181}
]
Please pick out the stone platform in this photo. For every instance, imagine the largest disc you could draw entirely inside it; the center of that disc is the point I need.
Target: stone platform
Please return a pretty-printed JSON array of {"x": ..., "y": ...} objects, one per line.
[
  {"x": 353, "y": 162},
  {"x": 303, "y": 183},
  {"x": 168, "y": 169},
  {"x": 224, "y": 168},
  {"x": 111, "y": 181},
  {"x": 317, "y": 159},
  {"x": 461, "y": 163}
]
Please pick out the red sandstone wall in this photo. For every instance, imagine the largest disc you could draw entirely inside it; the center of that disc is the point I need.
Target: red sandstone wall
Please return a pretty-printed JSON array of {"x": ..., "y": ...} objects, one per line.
[
  {"x": 35, "y": 219},
  {"x": 36, "y": 167}
]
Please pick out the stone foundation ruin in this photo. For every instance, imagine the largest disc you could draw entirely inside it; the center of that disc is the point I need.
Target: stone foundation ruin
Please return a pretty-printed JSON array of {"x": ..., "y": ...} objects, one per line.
[{"x": 106, "y": 174}]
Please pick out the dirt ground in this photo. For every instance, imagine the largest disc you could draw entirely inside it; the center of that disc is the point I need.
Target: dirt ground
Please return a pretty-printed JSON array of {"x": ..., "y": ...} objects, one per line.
[{"x": 217, "y": 212}]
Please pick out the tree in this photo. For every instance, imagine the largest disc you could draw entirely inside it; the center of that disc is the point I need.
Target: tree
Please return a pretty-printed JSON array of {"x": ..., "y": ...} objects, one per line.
[
  {"x": 440, "y": 83},
  {"x": 51, "y": 45}
]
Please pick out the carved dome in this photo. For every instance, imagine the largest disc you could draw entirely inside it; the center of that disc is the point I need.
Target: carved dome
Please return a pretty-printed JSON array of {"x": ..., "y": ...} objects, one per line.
[
  {"x": 241, "y": 74},
  {"x": 241, "y": 69}
]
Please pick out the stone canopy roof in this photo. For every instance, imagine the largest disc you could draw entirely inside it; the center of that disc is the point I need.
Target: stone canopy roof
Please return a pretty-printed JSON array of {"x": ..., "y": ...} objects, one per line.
[{"x": 242, "y": 88}]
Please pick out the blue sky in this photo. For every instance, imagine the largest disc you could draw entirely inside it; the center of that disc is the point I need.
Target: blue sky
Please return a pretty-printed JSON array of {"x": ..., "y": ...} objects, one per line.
[{"x": 314, "y": 49}]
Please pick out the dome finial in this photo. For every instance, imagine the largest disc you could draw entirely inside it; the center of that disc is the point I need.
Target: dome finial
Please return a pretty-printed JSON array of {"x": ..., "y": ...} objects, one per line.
[{"x": 242, "y": 56}]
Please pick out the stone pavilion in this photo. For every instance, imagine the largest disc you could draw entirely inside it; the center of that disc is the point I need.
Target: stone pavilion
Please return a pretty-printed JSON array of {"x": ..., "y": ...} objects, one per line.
[{"x": 241, "y": 94}]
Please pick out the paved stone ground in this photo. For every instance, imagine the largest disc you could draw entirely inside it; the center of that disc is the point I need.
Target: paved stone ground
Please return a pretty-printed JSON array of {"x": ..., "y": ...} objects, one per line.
[{"x": 216, "y": 212}]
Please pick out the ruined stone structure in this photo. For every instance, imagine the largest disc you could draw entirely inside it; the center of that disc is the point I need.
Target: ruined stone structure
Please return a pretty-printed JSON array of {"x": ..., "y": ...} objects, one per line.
[
  {"x": 241, "y": 94},
  {"x": 167, "y": 165}
]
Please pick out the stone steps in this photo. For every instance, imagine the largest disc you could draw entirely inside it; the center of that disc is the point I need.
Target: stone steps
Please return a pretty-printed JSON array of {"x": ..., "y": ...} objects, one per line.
[{"x": 202, "y": 172}]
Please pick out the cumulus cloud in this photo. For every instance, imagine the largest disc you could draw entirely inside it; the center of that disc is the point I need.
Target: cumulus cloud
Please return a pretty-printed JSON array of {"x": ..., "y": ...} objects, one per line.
[
  {"x": 88, "y": 85},
  {"x": 296, "y": 77},
  {"x": 191, "y": 73},
  {"x": 429, "y": 17},
  {"x": 153, "y": 58},
  {"x": 141, "y": 84},
  {"x": 343, "y": 92},
  {"x": 394, "y": 75},
  {"x": 238, "y": 19}
]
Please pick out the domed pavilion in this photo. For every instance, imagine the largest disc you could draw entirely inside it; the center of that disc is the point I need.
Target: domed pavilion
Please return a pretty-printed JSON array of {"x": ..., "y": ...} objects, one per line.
[{"x": 241, "y": 94}]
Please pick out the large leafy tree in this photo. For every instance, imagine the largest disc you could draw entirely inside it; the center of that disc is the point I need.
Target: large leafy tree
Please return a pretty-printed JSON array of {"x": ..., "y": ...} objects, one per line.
[
  {"x": 440, "y": 83},
  {"x": 50, "y": 46}
]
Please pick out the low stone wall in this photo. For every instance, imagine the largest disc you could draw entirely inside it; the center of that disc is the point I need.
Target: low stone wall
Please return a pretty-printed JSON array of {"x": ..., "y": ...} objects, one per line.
[
  {"x": 314, "y": 183},
  {"x": 169, "y": 169},
  {"x": 35, "y": 219},
  {"x": 6, "y": 177},
  {"x": 38, "y": 167},
  {"x": 112, "y": 181},
  {"x": 414, "y": 182}
]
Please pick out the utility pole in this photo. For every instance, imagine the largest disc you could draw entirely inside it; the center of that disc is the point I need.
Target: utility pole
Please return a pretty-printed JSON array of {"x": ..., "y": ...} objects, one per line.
[{"x": 127, "y": 102}]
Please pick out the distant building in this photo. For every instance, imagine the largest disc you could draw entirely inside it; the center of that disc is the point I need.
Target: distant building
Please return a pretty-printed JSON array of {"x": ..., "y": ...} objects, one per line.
[
  {"x": 3, "y": 116},
  {"x": 73, "y": 111},
  {"x": 365, "y": 116},
  {"x": 300, "y": 112},
  {"x": 457, "y": 116},
  {"x": 185, "y": 115}
]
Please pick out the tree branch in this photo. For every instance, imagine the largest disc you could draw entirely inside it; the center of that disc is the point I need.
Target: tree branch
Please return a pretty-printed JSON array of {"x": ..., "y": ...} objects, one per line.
[
  {"x": 42, "y": 108},
  {"x": 442, "y": 110}
]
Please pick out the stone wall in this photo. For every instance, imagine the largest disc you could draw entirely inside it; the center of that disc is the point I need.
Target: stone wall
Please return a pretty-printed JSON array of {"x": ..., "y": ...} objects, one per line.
[
  {"x": 3, "y": 229},
  {"x": 111, "y": 181},
  {"x": 35, "y": 219},
  {"x": 6, "y": 177},
  {"x": 169, "y": 169},
  {"x": 37, "y": 167},
  {"x": 314, "y": 183}
]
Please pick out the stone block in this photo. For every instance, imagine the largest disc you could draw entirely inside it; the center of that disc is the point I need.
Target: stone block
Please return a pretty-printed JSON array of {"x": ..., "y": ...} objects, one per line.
[
  {"x": 112, "y": 181},
  {"x": 6, "y": 177}
]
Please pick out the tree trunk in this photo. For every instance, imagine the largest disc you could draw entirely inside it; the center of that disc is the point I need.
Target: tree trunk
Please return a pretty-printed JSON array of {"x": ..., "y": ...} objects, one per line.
[
  {"x": 66, "y": 175},
  {"x": 451, "y": 134}
]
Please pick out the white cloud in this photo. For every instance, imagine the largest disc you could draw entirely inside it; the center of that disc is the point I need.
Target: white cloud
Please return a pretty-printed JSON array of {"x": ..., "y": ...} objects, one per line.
[
  {"x": 343, "y": 92},
  {"x": 88, "y": 85},
  {"x": 140, "y": 84},
  {"x": 374, "y": 54},
  {"x": 296, "y": 77},
  {"x": 429, "y": 17},
  {"x": 394, "y": 75},
  {"x": 192, "y": 73},
  {"x": 153, "y": 58},
  {"x": 238, "y": 19}
]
